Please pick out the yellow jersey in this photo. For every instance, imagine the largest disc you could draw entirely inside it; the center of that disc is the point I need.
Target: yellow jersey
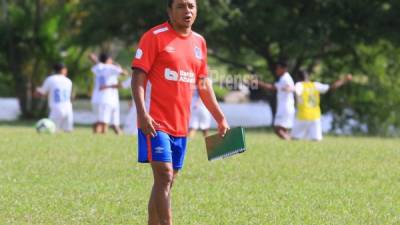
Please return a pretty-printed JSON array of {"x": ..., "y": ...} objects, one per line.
[{"x": 308, "y": 102}]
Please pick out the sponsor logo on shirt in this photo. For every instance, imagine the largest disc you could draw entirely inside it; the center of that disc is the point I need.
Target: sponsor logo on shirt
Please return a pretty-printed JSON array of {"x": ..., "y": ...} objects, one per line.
[
  {"x": 170, "y": 49},
  {"x": 139, "y": 53},
  {"x": 197, "y": 53},
  {"x": 171, "y": 75},
  {"x": 182, "y": 76}
]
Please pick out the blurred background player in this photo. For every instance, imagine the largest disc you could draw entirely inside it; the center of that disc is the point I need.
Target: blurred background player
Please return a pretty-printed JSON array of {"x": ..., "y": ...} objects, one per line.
[
  {"x": 285, "y": 100},
  {"x": 98, "y": 80},
  {"x": 130, "y": 123},
  {"x": 200, "y": 118},
  {"x": 105, "y": 97},
  {"x": 307, "y": 125},
  {"x": 58, "y": 88}
]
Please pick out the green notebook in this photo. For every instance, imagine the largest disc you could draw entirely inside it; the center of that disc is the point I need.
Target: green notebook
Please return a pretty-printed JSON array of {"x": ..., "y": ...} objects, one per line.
[{"x": 233, "y": 143}]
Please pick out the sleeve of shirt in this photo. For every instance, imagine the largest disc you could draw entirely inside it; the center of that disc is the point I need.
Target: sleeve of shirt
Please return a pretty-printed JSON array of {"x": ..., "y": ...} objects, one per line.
[
  {"x": 284, "y": 83},
  {"x": 93, "y": 69},
  {"x": 45, "y": 88},
  {"x": 146, "y": 53},
  {"x": 281, "y": 83},
  {"x": 203, "y": 72},
  {"x": 116, "y": 70},
  {"x": 298, "y": 88},
  {"x": 322, "y": 88},
  {"x": 126, "y": 83}
]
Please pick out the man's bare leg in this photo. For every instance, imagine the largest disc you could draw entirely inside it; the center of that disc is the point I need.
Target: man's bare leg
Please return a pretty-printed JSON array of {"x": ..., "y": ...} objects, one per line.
[
  {"x": 104, "y": 128},
  {"x": 117, "y": 130},
  {"x": 153, "y": 216},
  {"x": 97, "y": 128},
  {"x": 160, "y": 199},
  {"x": 152, "y": 210},
  {"x": 282, "y": 132}
]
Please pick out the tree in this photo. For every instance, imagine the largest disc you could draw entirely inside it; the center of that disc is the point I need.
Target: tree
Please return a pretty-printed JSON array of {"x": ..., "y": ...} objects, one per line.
[
  {"x": 372, "y": 99},
  {"x": 324, "y": 37},
  {"x": 34, "y": 35}
]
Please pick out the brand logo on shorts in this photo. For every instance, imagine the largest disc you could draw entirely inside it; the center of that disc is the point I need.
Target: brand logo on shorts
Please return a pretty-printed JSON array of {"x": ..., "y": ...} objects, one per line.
[
  {"x": 139, "y": 53},
  {"x": 158, "y": 150},
  {"x": 182, "y": 76}
]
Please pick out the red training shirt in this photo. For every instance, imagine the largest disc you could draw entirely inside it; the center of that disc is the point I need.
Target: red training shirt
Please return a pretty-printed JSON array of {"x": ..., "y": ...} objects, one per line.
[{"x": 173, "y": 64}]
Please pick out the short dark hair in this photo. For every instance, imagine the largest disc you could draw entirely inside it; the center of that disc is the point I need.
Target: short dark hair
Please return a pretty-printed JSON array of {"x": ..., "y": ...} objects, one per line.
[
  {"x": 281, "y": 63},
  {"x": 302, "y": 75},
  {"x": 170, "y": 2},
  {"x": 104, "y": 57},
  {"x": 58, "y": 67}
]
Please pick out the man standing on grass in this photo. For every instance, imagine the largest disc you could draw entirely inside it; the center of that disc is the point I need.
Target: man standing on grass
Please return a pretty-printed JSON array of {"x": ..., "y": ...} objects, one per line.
[
  {"x": 105, "y": 98},
  {"x": 285, "y": 100},
  {"x": 58, "y": 87},
  {"x": 307, "y": 125},
  {"x": 170, "y": 61}
]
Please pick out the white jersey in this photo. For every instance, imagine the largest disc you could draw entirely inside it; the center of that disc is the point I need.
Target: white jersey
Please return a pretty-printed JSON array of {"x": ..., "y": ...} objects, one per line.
[
  {"x": 105, "y": 74},
  {"x": 127, "y": 83},
  {"x": 322, "y": 88},
  {"x": 59, "y": 89},
  {"x": 200, "y": 116},
  {"x": 285, "y": 97}
]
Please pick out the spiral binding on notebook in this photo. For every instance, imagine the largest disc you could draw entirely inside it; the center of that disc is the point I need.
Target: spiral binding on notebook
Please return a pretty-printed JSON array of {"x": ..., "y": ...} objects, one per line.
[{"x": 229, "y": 154}]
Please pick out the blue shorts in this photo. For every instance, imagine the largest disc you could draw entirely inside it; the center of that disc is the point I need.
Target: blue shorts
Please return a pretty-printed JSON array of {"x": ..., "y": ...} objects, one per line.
[{"x": 162, "y": 148}]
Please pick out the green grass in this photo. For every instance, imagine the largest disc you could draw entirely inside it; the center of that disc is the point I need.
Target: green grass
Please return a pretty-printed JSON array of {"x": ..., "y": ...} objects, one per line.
[{"x": 80, "y": 178}]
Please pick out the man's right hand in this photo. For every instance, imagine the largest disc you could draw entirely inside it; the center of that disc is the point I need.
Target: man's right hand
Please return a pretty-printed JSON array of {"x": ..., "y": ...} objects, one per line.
[{"x": 148, "y": 125}]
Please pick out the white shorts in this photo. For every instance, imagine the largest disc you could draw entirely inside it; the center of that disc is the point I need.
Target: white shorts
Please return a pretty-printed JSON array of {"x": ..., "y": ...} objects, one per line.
[
  {"x": 307, "y": 130},
  {"x": 95, "y": 109},
  {"x": 62, "y": 116},
  {"x": 109, "y": 114},
  {"x": 284, "y": 120},
  {"x": 200, "y": 118},
  {"x": 130, "y": 125}
]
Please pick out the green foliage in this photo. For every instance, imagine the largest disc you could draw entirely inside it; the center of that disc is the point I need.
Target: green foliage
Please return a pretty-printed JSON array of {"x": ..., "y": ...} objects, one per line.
[
  {"x": 80, "y": 178},
  {"x": 374, "y": 93},
  {"x": 324, "y": 37},
  {"x": 34, "y": 35},
  {"x": 125, "y": 20},
  {"x": 6, "y": 86},
  {"x": 220, "y": 92}
]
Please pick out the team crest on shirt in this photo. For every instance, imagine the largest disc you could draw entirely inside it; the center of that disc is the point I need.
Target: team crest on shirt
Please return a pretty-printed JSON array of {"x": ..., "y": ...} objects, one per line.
[
  {"x": 197, "y": 53},
  {"x": 139, "y": 53}
]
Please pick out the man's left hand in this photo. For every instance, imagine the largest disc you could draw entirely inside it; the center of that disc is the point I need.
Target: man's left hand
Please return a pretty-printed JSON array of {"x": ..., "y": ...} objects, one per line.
[{"x": 223, "y": 127}]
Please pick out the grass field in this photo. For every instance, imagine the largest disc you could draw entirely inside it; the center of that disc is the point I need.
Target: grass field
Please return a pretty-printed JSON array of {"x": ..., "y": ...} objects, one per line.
[{"x": 84, "y": 179}]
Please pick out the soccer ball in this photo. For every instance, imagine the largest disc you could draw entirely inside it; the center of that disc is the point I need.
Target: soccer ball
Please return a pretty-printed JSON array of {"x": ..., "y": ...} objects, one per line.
[{"x": 45, "y": 126}]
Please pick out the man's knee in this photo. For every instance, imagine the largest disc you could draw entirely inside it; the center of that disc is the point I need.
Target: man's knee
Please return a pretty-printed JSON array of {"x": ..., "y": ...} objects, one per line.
[{"x": 164, "y": 177}]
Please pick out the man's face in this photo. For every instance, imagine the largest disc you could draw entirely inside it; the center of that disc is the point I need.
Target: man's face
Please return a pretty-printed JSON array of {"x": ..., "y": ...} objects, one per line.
[
  {"x": 64, "y": 71},
  {"x": 109, "y": 61},
  {"x": 280, "y": 70},
  {"x": 183, "y": 13}
]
